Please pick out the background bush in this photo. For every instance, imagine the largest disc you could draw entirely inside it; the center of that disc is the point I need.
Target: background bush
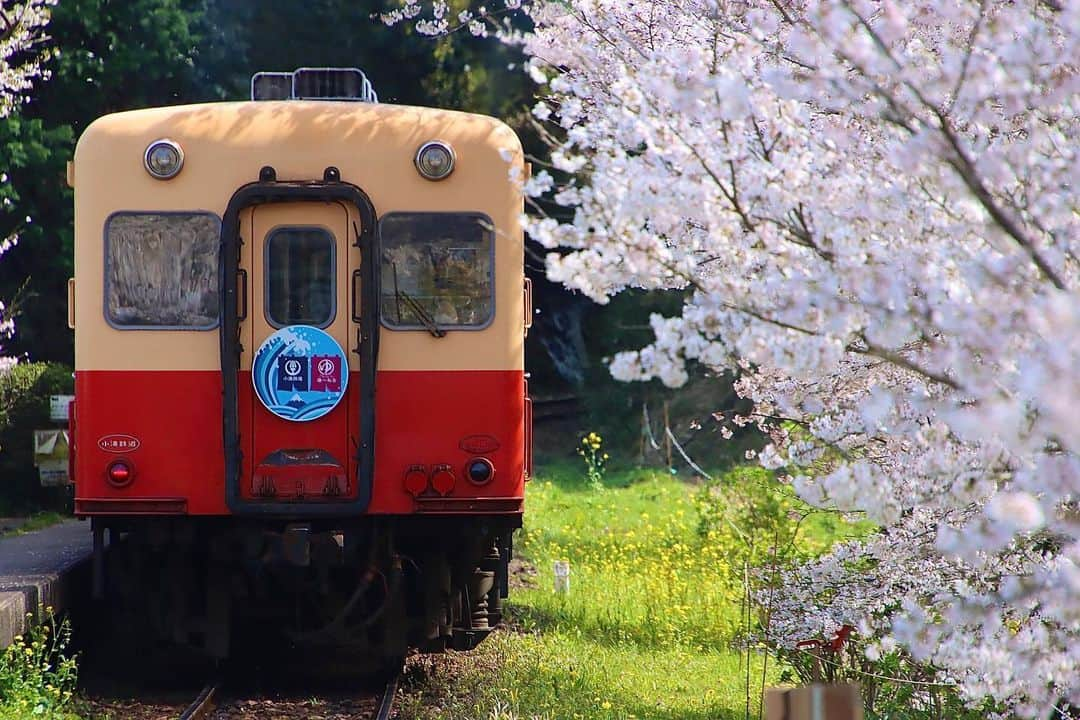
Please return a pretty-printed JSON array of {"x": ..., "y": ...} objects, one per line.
[{"x": 24, "y": 407}]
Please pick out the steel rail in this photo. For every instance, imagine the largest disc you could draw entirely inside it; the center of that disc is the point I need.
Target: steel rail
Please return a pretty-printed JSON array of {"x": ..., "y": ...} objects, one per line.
[
  {"x": 203, "y": 703},
  {"x": 386, "y": 705}
]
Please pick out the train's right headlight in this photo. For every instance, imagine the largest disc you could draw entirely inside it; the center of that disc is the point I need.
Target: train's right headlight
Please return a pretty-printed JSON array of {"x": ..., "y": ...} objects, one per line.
[
  {"x": 435, "y": 160},
  {"x": 163, "y": 159}
]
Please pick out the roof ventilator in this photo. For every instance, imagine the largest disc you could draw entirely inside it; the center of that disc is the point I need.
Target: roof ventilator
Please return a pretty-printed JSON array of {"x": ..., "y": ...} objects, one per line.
[{"x": 313, "y": 84}]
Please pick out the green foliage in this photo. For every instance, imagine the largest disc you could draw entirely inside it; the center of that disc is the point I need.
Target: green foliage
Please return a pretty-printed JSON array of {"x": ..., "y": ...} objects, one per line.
[
  {"x": 646, "y": 630},
  {"x": 111, "y": 56},
  {"x": 117, "y": 56},
  {"x": 768, "y": 521},
  {"x": 698, "y": 413},
  {"x": 24, "y": 407},
  {"x": 37, "y": 205},
  {"x": 568, "y": 676},
  {"x": 639, "y": 571},
  {"x": 37, "y": 521},
  {"x": 37, "y": 677},
  {"x": 457, "y": 71}
]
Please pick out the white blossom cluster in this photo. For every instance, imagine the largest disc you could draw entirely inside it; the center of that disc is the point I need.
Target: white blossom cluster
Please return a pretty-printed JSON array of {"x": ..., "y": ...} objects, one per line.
[
  {"x": 874, "y": 205},
  {"x": 22, "y": 32},
  {"x": 443, "y": 20}
]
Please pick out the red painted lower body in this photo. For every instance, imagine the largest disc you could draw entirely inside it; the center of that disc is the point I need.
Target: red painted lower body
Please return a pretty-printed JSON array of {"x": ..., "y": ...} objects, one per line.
[{"x": 168, "y": 426}]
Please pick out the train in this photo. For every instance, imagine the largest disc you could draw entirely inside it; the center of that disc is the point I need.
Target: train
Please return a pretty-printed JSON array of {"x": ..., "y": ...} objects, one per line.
[{"x": 300, "y": 399}]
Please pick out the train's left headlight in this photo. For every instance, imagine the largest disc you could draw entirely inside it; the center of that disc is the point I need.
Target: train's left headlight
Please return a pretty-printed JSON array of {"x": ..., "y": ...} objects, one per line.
[
  {"x": 435, "y": 160},
  {"x": 164, "y": 159}
]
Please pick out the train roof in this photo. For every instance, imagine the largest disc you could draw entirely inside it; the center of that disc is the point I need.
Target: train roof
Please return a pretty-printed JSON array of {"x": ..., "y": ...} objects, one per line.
[
  {"x": 225, "y": 145},
  {"x": 255, "y": 124}
]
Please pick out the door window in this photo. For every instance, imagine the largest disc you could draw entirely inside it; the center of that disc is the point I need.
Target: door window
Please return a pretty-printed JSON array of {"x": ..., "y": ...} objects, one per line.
[{"x": 300, "y": 286}]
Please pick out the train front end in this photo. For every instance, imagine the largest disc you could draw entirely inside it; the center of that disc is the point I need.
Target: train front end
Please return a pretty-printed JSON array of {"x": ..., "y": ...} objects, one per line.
[{"x": 299, "y": 330}]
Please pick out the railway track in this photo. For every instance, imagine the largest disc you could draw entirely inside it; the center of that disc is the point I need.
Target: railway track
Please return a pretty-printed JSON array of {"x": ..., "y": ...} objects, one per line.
[
  {"x": 556, "y": 407},
  {"x": 203, "y": 704},
  {"x": 209, "y": 705},
  {"x": 386, "y": 704}
]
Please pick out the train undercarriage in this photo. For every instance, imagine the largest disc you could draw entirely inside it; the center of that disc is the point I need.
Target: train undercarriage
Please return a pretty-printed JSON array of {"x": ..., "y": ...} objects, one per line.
[{"x": 371, "y": 588}]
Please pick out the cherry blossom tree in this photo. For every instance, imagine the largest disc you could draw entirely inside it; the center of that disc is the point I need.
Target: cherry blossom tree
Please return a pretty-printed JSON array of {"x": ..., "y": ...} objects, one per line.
[
  {"x": 873, "y": 207},
  {"x": 22, "y": 55},
  {"x": 22, "y": 51}
]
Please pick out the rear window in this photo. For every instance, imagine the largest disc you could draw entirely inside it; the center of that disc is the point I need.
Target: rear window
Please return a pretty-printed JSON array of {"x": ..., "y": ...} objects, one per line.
[
  {"x": 161, "y": 270},
  {"x": 437, "y": 267}
]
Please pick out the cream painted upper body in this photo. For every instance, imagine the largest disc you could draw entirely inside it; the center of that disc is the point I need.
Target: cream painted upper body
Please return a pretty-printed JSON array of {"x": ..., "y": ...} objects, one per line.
[{"x": 226, "y": 144}]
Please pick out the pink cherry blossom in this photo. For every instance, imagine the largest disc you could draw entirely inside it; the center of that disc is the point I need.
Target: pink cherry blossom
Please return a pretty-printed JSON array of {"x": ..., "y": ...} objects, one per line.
[{"x": 874, "y": 206}]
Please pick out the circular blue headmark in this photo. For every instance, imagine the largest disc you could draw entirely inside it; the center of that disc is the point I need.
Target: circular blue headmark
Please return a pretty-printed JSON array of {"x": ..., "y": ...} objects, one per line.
[{"x": 300, "y": 373}]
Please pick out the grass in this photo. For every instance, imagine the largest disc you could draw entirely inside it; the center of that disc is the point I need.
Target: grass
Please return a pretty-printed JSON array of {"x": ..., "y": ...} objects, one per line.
[
  {"x": 37, "y": 676},
  {"x": 37, "y": 521},
  {"x": 649, "y": 628}
]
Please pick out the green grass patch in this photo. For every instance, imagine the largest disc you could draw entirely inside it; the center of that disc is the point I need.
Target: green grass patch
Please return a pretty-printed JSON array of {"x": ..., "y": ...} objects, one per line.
[
  {"x": 37, "y": 676},
  {"x": 559, "y": 675},
  {"x": 37, "y": 521},
  {"x": 649, "y": 628}
]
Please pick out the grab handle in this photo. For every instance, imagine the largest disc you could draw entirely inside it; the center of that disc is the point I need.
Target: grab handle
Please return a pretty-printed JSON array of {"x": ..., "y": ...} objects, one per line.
[
  {"x": 241, "y": 281},
  {"x": 357, "y": 287}
]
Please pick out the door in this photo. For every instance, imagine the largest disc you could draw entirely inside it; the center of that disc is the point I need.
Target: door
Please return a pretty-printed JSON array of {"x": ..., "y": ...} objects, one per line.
[{"x": 295, "y": 429}]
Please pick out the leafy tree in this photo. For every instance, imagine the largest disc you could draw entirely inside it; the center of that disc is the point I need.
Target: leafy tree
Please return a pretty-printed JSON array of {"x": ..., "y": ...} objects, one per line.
[
  {"x": 22, "y": 38},
  {"x": 459, "y": 71},
  {"x": 22, "y": 41},
  {"x": 24, "y": 406},
  {"x": 109, "y": 56}
]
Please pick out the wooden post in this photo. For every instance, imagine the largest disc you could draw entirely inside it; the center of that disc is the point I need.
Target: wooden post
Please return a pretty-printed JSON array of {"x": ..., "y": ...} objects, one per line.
[
  {"x": 667, "y": 436},
  {"x": 814, "y": 702},
  {"x": 641, "y": 435}
]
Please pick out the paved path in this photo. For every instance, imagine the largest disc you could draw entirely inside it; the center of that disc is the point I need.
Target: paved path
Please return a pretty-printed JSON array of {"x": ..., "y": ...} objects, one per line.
[{"x": 35, "y": 568}]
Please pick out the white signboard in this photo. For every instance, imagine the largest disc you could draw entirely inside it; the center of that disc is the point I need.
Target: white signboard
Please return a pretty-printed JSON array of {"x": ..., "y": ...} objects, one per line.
[
  {"x": 58, "y": 407},
  {"x": 51, "y": 456}
]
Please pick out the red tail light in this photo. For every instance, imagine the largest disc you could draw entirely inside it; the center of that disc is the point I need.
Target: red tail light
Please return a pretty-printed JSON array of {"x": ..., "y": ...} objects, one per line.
[
  {"x": 120, "y": 473},
  {"x": 416, "y": 480},
  {"x": 443, "y": 479}
]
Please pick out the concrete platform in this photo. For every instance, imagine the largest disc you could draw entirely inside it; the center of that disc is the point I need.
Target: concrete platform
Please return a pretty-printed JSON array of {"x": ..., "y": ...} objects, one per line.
[{"x": 38, "y": 569}]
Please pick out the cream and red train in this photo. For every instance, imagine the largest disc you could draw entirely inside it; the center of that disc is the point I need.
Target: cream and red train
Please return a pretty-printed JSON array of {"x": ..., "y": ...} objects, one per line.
[{"x": 300, "y": 397}]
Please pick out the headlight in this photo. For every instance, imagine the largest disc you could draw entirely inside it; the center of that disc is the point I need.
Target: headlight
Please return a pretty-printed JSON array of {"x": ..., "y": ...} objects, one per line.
[
  {"x": 435, "y": 160},
  {"x": 163, "y": 159}
]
